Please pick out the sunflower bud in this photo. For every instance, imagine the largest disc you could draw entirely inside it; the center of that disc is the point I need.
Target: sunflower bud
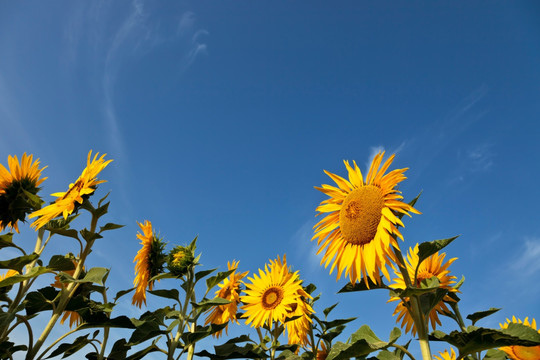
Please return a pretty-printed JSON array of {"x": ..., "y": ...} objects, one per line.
[{"x": 179, "y": 260}]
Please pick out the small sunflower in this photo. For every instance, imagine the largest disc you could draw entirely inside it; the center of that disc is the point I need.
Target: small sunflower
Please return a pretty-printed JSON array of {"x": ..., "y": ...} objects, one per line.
[
  {"x": 360, "y": 225},
  {"x": 149, "y": 262},
  {"x": 430, "y": 267},
  {"x": 67, "y": 201},
  {"x": 297, "y": 329},
  {"x": 18, "y": 189},
  {"x": 229, "y": 289},
  {"x": 521, "y": 352},
  {"x": 179, "y": 260},
  {"x": 446, "y": 356},
  {"x": 270, "y": 295}
]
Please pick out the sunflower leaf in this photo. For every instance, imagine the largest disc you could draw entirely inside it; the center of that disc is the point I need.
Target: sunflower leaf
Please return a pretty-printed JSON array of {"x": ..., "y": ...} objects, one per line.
[
  {"x": 333, "y": 333},
  {"x": 411, "y": 203},
  {"x": 72, "y": 233},
  {"x": 122, "y": 293},
  {"x": 7, "y": 348},
  {"x": 495, "y": 354},
  {"x": 168, "y": 294},
  {"x": 361, "y": 343},
  {"x": 94, "y": 275},
  {"x": 429, "y": 300},
  {"x": 481, "y": 314},
  {"x": 361, "y": 286},
  {"x": 18, "y": 263},
  {"x": 205, "y": 304},
  {"x": 61, "y": 263},
  {"x": 35, "y": 271},
  {"x": 428, "y": 248},
  {"x": 337, "y": 322},
  {"x": 219, "y": 277},
  {"x": 201, "y": 332},
  {"x": 6, "y": 240},
  {"x": 387, "y": 355},
  {"x": 40, "y": 300},
  {"x": 69, "y": 349},
  {"x": 477, "y": 339},
  {"x": 328, "y": 309},
  {"x": 89, "y": 235},
  {"x": 203, "y": 273},
  {"x": 109, "y": 226}
]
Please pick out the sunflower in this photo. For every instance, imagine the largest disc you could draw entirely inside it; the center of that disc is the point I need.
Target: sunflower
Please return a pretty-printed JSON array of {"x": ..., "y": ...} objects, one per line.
[
  {"x": 18, "y": 189},
  {"x": 149, "y": 262},
  {"x": 360, "y": 226},
  {"x": 297, "y": 329},
  {"x": 522, "y": 352},
  {"x": 270, "y": 295},
  {"x": 85, "y": 186},
  {"x": 229, "y": 289},
  {"x": 446, "y": 356},
  {"x": 430, "y": 267}
]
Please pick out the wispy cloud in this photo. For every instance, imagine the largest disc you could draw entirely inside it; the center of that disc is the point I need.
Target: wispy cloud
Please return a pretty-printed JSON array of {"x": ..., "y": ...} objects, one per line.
[
  {"x": 526, "y": 263},
  {"x": 480, "y": 157}
]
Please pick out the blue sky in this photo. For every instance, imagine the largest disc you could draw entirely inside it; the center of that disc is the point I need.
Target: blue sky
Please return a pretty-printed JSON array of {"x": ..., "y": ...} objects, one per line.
[{"x": 221, "y": 116}]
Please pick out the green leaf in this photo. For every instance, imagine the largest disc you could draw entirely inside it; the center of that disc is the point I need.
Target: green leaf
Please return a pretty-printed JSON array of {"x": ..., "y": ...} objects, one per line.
[
  {"x": 459, "y": 283},
  {"x": 426, "y": 286},
  {"x": 72, "y": 233},
  {"x": 8, "y": 348},
  {"x": 428, "y": 248},
  {"x": 478, "y": 339},
  {"x": 219, "y": 277},
  {"x": 61, "y": 263},
  {"x": 69, "y": 349},
  {"x": 6, "y": 240},
  {"x": 163, "y": 276},
  {"x": 310, "y": 288},
  {"x": 18, "y": 263},
  {"x": 387, "y": 355},
  {"x": 122, "y": 293},
  {"x": 101, "y": 210},
  {"x": 481, "y": 314},
  {"x": 337, "y": 322},
  {"x": 205, "y": 304},
  {"x": 201, "y": 332},
  {"x": 429, "y": 300},
  {"x": 119, "y": 350},
  {"x": 95, "y": 275},
  {"x": 109, "y": 226},
  {"x": 411, "y": 203},
  {"x": 201, "y": 274},
  {"x": 333, "y": 333},
  {"x": 89, "y": 235},
  {"x": 35, "y": 271},
  {"x": 495, "y": 354},
  {"x": 362, "y": 343},
  {"x": 329, "y": 309},
  {"x": 168, "y": 294},
  {"x": 230, "y": 350},
  {"x": 361, "y": 286},
  {"x": 40, "y": 300},
  {"x": 122, "y": 322}
]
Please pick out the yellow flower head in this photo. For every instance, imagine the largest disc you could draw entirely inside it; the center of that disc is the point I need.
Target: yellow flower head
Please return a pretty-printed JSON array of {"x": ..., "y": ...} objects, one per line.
[
  {"x": 430, "y": 267},
  {"x": 521, "y": 352},
  {"x": 229, "y": 289},
  {"x": 66, "y": 202},
  {"x": 297, "y": 329},
  {"x": 270, "y": 295},
  {"x": 149, "y": 262},
  {"x": 18, "y": 189},
  {"x": 357, "y": 232},
  {"x": 446, "y": 356}
]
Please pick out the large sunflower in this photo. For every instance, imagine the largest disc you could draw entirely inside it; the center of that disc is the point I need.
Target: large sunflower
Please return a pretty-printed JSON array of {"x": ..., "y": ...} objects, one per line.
[
  {"x": 270, "y": 295},
  {"x": 446, "y": 355},
  {"x": 18, "y": 189},
  {"x": 84, "y": 186},
  {"x": 297, "y": 329},
  {"x": 360, "y": 225},
  {"x": 522, "y": 352},
  {"x": 430, "y": 267},
  {"x": 149, "y": 262},
  {"x": 229, "y": 289}
]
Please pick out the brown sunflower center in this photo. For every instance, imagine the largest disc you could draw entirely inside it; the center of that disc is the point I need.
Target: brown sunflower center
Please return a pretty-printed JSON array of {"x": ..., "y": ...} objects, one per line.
[
  {"x": 272, "y": 297},
  {"x": 360, "y": 214}
]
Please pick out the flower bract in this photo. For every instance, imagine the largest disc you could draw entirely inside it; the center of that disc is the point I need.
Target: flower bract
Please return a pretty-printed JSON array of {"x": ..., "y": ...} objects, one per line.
[
  {"x": 270, "y": 295},
  {"x": 360, "y": 224},
  {"x": 18, "y": 188},
  {"x": 522, "y": 352},
  {"x": 229, "y": 289},
  {"x": 66, "y": 202},
  {"x": 430, "y": 267}
]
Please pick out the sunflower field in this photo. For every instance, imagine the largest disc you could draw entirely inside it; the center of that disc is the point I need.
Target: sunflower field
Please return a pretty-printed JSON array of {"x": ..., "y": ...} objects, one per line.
[{"x": 358, "y": 235}]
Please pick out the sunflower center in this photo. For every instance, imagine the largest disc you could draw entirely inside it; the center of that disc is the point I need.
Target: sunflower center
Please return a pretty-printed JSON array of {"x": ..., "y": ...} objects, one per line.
[
  {"x": 272, "y": 297},
  {"x": 360, "y": 214}
]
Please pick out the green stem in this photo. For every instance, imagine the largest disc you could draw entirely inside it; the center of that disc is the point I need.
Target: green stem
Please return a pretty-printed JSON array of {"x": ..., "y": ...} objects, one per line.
[
  {"x": 105, "y": 329},
  {"x": 415, "y": 309},
  {"x": 183, "y": 320},
  {"x": 404, "y": 351}
]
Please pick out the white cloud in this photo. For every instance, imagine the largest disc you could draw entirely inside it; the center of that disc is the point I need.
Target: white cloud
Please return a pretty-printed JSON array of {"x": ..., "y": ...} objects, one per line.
[
  {"x": 527, "y": 262},
  {"x": 373, "y": 150},
  {"x": 481, "y": 158}
]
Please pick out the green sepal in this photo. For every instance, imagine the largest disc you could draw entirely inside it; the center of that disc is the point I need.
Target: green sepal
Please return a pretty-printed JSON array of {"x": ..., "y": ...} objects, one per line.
[
  {"x": 428, "y": 248},
  {"x": 109, "y": 226},
  {"x": 61, "y": 263},
  {"x": 481, "y": 314},
  {"x": 35, "y": 271},
  {"x": 69, "y": 349},
  {"x": 19, "y": 262},
  {"x": 361, "y": 286},
  {"x": 478, "y": 339},
  {"x": 361, "y": 343},
  {"x": 168, "y": 294}
]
